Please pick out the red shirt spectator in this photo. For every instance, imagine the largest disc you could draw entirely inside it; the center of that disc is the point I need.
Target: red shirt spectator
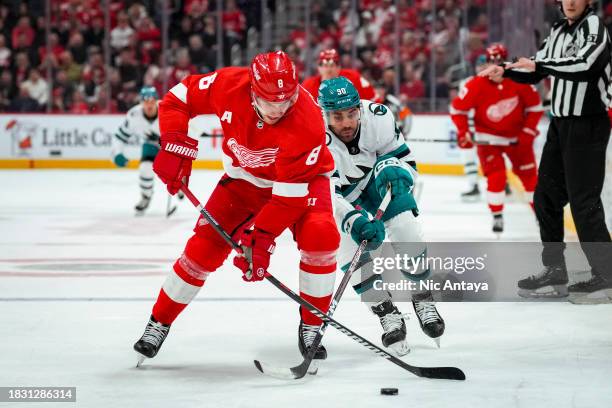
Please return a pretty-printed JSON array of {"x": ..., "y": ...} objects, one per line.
[
  {"x": 23, "y": 28},
  {"x": 78, "y": 104},
  {"x": 233, "y": 20},
  {"x": 56, "y": 48},
  {"x": 182, "y": 69}
]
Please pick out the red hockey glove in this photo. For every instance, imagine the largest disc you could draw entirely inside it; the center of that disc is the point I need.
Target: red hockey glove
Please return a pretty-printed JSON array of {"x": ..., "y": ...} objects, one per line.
[
  {"x": 464, "y": 140},
  {"x": 173, "y": 162},
  {"x": 258, "y": 246}
]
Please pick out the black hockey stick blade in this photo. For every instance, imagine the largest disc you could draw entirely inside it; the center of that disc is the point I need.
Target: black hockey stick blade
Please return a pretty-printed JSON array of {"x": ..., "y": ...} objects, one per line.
[{"x": 443, "y": 373}]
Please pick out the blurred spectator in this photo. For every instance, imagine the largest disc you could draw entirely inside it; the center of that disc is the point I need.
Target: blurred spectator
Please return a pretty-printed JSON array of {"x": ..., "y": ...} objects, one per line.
[
  {"x": 72, "y": 69},
  {"x": 24, "y": 30},
  {"x": 148, "y": 35},
  {"x": 412, "y": 86},
  {"x": 94, "y": 35},
  {"x": 23, "y": 103},
  {"x": 23, "y": 47},
  {"x": 37, "y": 87},
  {"x": 183, "y": 68},
  {"x": 63, "y": 86},
  {"x": 129, "y": 69},
  {"x": 21, "y": 67},
  {"x": 104, "y": 104},
  {"x": 77, "y": 48},
  {"x": 54, "y": 45},
  {"x": 204, "y": 59},
  {"x": 185, "y": 31},
  {"x": 78, "y": 104},
  {"x": 234, "y": 22},
  {"x": 120, "y": 35},
  {"x": 5, "y": 53},
  {"x": 95, "y": 65},
  {"x": 195, "y": 14},
  {"x": 209, "y": 34},
  {"x": 8, "y": 91}
]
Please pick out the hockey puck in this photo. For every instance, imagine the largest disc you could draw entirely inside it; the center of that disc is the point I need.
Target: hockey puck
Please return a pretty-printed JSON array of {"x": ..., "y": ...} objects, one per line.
[{"x": 389, "y": 391}]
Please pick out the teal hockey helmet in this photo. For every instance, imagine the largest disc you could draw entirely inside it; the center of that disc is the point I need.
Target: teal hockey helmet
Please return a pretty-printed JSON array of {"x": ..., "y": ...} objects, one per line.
[
  {"x": 147, "y": 92},
  {"x": 338, "y": 94}
]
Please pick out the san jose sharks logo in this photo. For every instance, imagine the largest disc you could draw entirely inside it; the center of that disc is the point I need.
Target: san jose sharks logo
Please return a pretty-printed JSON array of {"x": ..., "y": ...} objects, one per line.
[{"x": 377, "y": 109}]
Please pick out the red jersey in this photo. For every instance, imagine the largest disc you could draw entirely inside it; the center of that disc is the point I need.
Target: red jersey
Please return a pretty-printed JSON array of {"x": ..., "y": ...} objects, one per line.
[
  {"x": 501, "y": 110},
  {"x": 365, "y": 89},
  {"x": 285, "y": 156}
]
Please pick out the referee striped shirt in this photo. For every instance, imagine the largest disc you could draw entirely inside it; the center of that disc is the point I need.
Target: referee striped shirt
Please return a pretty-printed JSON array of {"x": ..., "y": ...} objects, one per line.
[{"x": 577, "y": 58}]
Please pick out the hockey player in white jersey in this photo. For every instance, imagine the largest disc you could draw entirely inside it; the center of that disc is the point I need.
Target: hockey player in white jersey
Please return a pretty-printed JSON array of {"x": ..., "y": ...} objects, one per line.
[
  {"x": 140, "y": 126},
  {"x": 370, "y": 153}
]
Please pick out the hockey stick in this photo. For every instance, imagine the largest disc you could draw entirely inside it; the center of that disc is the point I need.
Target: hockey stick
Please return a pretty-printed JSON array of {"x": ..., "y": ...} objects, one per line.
[
  {"x": 447, "y": 373},
  {"x": 482, "y": 143},
  {"x": 301, "y": 370}
]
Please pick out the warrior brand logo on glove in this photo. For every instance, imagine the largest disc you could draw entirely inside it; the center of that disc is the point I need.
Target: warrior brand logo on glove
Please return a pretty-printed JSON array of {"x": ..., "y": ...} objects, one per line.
[
  {"x": 252, "y": 158},
  {"x": 181, "y": 150}
]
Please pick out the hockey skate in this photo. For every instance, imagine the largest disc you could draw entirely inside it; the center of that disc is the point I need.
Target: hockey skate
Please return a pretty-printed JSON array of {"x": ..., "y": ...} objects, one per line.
[
  {"x": 142, "y": 205},
  {"x": 498, "y": 224},
  {"x": 430, "y": 320},
  {"x": 151, "y": 341},
  {"x": 306, "y": 335},
  {"x": 471, "y": 195},
  {"x": 593, "y": 291},
  {"x": 394, "y": 327},
  {"x": 551, "y": 283}
]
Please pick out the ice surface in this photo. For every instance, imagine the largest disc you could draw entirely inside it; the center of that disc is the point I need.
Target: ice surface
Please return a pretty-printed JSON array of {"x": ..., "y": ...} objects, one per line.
[{"x": 79, "y": 274}]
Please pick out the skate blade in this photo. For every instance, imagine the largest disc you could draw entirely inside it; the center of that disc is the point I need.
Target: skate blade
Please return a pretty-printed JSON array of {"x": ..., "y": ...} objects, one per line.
[
  {"x": 554, "y": 291},
  {"x": 437, "y": 341},
  {"x": 314, "y": 367},
  {"x": 596, "y": 298},
  {"x": 141, "y": 358},
  {"x": 138, "y": 213},
  {"x": 400, "y": 348},
  {"x": 470, "y": 199}
]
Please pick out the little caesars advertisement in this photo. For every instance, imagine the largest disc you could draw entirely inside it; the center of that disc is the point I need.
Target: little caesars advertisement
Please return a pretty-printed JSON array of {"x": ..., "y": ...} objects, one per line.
[{"x": 86, "y": 136}]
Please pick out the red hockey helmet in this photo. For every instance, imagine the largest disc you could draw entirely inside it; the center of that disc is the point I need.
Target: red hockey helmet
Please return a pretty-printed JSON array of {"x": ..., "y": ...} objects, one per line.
[
  {"x": 273, "y": 76},
  {"x": 329, "y": 56},
  {"x": 497, "y": 52}
]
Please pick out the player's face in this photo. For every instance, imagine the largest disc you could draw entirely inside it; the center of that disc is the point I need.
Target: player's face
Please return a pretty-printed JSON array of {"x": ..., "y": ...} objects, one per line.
[
  {"x": 573, "y": 9},
  {"x": 328, "y": 70},
  {"x": 149, "y": 106},
  {"x": 344, "y": 123},
  {"x": 272, "y": 112}
]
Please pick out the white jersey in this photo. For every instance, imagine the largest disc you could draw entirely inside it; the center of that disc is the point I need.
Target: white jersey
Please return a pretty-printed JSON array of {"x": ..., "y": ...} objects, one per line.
[
  {"x": 377, "y": 136},
  {"x": 136, "y": 129}
]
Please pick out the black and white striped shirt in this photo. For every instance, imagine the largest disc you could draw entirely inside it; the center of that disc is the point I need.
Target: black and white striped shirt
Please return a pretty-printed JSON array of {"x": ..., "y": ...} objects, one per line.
[{"x": 577, "y": 58}]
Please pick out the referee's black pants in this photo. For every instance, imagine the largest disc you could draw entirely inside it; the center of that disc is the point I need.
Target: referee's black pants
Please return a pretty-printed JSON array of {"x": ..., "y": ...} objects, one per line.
[{"x": 572, "y": 169}]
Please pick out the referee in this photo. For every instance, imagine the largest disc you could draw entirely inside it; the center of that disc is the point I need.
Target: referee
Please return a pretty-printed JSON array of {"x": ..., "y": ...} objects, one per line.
[{"x": 576, "y": 55}]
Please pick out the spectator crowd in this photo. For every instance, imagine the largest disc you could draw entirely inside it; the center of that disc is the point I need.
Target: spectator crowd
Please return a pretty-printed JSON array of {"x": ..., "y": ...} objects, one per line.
[{"x": 65, "y": 62}]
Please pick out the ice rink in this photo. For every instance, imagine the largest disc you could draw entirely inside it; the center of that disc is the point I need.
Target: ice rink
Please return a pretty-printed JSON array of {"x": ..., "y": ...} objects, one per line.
[{"x": 79, "y": 275}]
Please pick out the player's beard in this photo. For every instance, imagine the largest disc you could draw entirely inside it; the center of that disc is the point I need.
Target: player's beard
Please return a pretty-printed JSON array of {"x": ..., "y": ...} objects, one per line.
[{"x": 347, "y": 133}]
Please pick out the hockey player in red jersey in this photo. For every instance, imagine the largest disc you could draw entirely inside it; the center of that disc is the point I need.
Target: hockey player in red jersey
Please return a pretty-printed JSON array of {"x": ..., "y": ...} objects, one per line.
[
  {"x": 329, "y": 67},
  {"x": 277, "y": 170},
  {"x": 506, "y": 116}
]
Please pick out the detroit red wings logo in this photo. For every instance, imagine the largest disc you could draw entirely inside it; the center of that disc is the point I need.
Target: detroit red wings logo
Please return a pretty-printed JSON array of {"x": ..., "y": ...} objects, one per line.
[
  {"x": 252, "y": 158},
  {"x": 503, "y": 108}
]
